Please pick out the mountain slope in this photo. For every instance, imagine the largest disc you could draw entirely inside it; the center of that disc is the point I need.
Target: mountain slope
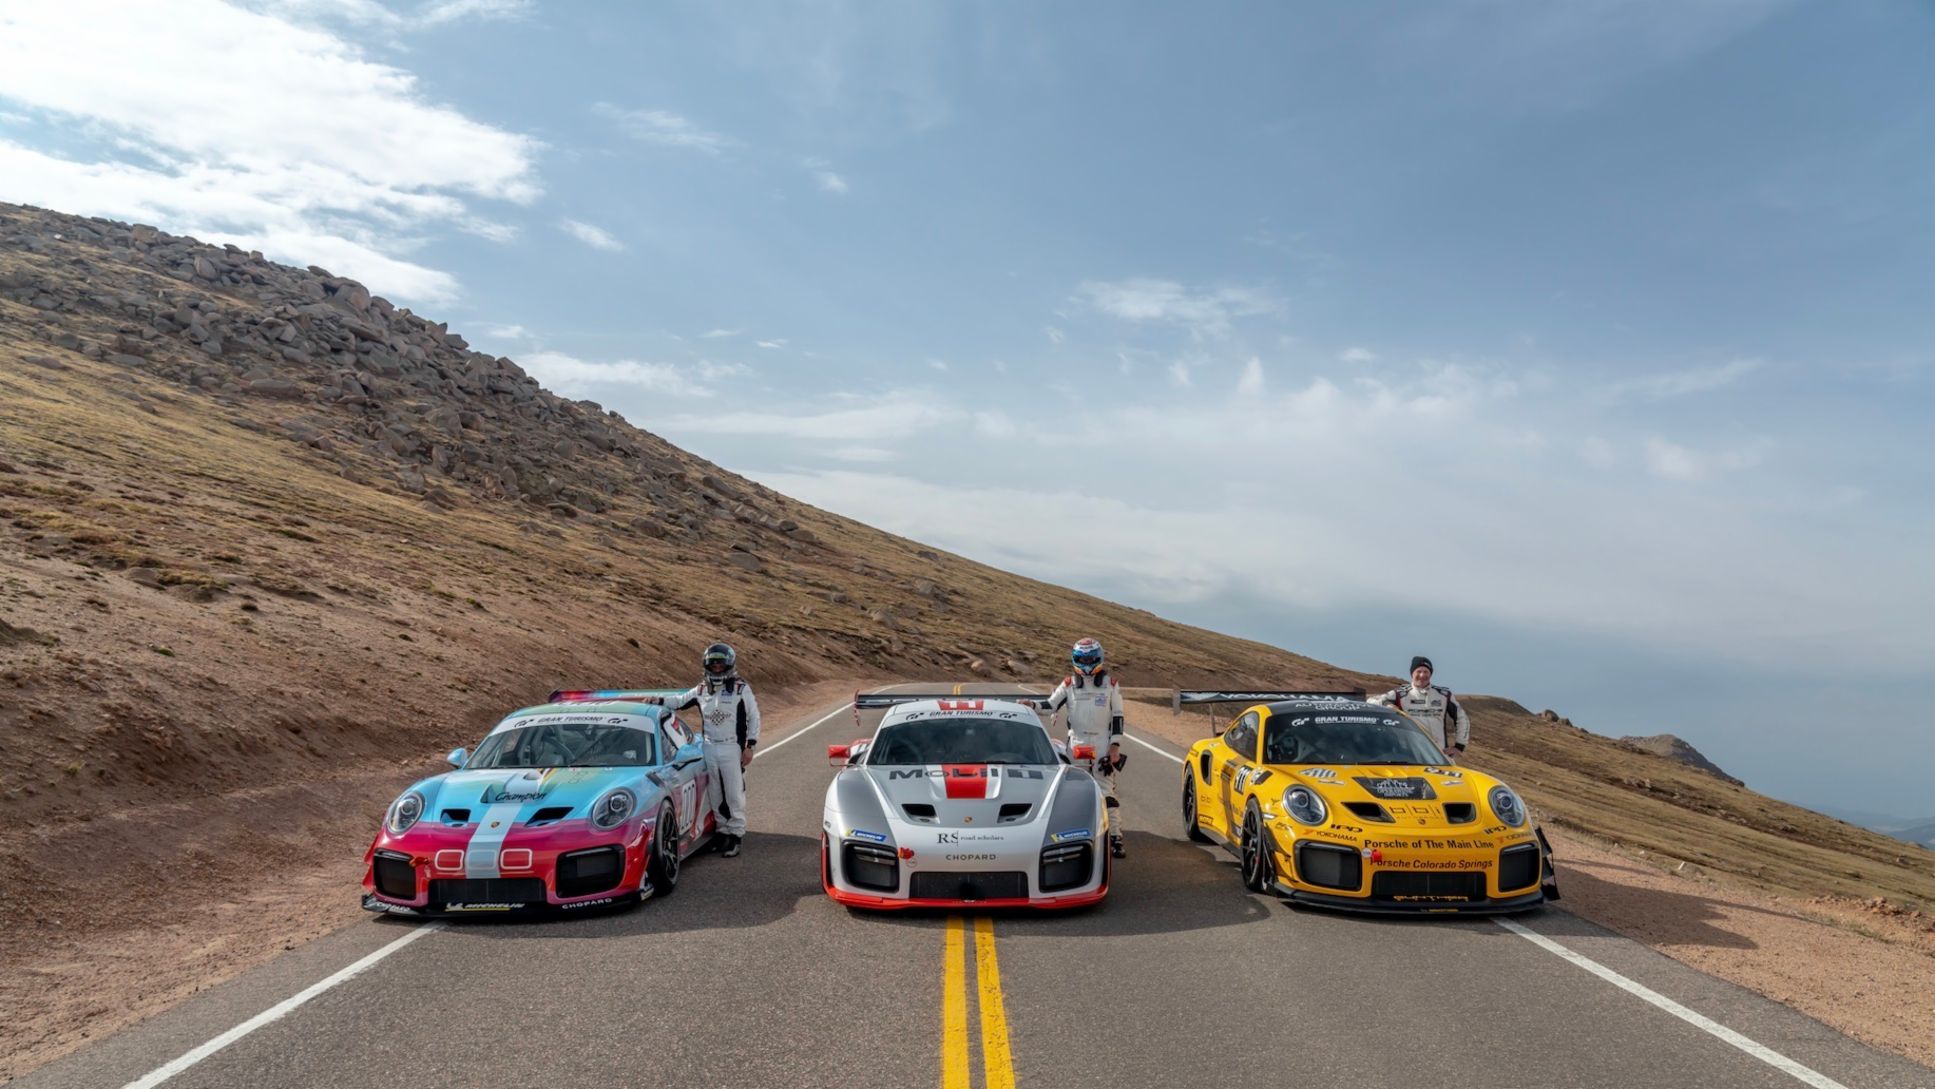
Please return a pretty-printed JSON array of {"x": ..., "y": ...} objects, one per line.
[
  {"x": 267, "y": 542},
  {"x": 1676, "y": 748}
]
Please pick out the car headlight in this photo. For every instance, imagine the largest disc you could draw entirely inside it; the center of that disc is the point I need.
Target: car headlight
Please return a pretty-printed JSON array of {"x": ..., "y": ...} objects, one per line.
[
  {"x": 611, "y": 809},
  {"x": 1303, "y": 804},
  {"x": 1507, "y": 806},
  {"x": 404, "y": 813}
]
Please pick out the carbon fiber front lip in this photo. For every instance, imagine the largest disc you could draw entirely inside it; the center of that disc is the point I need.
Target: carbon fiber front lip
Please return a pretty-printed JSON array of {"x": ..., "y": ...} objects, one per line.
[
  {"x": 590, "y": 906},
  {"x": 1363, "y": 906}
]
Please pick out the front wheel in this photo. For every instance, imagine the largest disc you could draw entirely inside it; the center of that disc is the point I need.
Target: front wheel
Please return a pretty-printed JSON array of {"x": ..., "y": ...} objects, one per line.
[
  {"x": 1190, "y": 820},
  {"x": 1257, "y": 869},
  {"x": 662, "y": 861}
]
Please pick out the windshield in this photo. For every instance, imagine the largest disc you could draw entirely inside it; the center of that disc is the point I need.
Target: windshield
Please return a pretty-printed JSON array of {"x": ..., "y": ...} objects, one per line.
[
  {"x": 962, "y": 741},
  {"x": 566, "y": 745},
  {"x": 1363, "y": 737}
]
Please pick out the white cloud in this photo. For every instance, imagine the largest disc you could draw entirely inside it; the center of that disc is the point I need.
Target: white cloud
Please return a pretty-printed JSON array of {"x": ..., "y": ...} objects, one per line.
[
  {"x": 293, "y": 165},
  {"x": 1357, "y": 355},
  {"x": 863, "y": 454},
  {"x": 830, "y": 182},
  {"x": 937, "y": 364},
  {"x": 506, "y": 332},
  {"x": 490, "y": 231},
  {"x": 596, "y": 237},
  {"x": 1178, "y": 373},
  {"x": 575, "y": 377},
  {"x": 776, "y": 342},
  {"x": 667, "y": 129},
  {"x": 1671, "y": 461},
  {"x": 1055, "y": 336},
  {"x": 715, "y": 334},
  {"x": 1660, "y": 387},
  {"x": 1205, "y": 312},
  {"x": 995, "y": 425},
  {"x": 449, "y": 11},
  {"x": 1251, "y": 383},
  {"x": 871, "y": 421}
]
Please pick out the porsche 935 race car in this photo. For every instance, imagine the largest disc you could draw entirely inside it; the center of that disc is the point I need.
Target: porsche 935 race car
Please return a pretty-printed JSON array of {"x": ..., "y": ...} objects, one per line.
[
  {"x": 1331, "y": 801},
  {"x": 590, "y": 800},
  {"x": 962, "y": 800}
]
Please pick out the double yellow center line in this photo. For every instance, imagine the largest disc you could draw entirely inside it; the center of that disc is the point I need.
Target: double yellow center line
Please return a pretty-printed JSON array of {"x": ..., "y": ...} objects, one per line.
[{"x": 997, "y": 1060}]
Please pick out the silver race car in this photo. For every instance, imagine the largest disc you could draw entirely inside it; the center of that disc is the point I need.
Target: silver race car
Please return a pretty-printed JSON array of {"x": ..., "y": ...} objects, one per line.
[{"x": 960, "y": 800}]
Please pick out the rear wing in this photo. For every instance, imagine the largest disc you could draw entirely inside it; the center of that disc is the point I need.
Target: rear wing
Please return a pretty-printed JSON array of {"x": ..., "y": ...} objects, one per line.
[
  {"x": 950, "y": 701},
  {"x": 1186, "y": 698},
  {"x": 600, "y": 695}
]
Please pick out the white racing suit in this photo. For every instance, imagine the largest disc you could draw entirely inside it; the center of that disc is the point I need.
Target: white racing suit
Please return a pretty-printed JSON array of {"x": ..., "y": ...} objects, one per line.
[
  {"x": 1092, "y": 708},
  {"x": 1444, "y": 722},
  {"x": 730, "y": 721}
]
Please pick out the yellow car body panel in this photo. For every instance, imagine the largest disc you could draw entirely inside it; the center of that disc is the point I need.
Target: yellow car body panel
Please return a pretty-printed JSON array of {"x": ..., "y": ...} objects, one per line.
[{"x": 1393, "y": 839}]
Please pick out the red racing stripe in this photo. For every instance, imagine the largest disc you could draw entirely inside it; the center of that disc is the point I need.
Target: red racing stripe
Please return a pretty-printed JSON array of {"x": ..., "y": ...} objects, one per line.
[{"x": 966, "y": 780}]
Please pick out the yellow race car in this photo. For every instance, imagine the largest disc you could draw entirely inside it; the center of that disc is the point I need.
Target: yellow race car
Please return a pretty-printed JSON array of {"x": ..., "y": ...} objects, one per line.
[{"x": 1335, "y": 802}]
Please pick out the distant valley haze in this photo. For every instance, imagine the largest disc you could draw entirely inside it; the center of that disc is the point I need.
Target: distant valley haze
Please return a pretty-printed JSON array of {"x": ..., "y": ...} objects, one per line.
[{"x": 1585, "y": 348}]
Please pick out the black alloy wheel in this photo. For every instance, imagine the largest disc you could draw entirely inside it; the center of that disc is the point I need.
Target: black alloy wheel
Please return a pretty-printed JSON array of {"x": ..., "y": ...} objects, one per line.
[
  {"x": 662, "y": 856},
  {"x": 1256, "y": 854},
  {"x": 1190, "y": 819}
]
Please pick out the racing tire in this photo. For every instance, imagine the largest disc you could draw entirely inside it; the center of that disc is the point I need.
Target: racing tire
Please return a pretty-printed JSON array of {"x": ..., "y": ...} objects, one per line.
[
  {"x": 1190, "y": 820},
  {"x": 662, "y": 862},
  {"x": 1255, "y": 853}
]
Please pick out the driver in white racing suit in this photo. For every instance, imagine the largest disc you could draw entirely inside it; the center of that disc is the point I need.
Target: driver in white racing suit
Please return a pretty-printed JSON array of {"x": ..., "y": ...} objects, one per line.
[
  {"x": 1433, "y": 707},
  {"x": 1093, "y": 703},
  {"x": 731, "y": 723}
]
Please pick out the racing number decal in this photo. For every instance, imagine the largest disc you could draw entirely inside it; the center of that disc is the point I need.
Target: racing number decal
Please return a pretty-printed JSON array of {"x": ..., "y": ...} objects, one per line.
[{"x": 686, "y": 806}]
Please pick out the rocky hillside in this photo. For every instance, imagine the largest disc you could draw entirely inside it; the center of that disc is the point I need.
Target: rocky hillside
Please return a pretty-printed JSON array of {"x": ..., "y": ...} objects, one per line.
[
  {"x": 1676, "y": 748},
  {"x": 257, "y": 523}
]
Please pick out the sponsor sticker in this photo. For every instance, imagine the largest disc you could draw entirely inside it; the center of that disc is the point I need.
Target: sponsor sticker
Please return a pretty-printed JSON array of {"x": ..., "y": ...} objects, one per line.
[
  {"x": 1073, "y": 833},
  {"x": 870, "y": 837},
  {"x": 481, "y": 907},
  {"x": 588, "y": 903}
]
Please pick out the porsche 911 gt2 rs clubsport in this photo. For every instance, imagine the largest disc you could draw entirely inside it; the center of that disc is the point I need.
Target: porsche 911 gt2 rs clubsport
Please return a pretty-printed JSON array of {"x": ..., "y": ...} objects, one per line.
[
  {"x": 1335, "y": 802},
  {"x": 962, "y": 800},
  {"x": 588, "y": 801}
]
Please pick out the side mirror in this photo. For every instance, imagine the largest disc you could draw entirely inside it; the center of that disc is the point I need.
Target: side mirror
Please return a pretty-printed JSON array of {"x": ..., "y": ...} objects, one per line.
[
  {"x": 838, "y": 755},
  {"x": 458, "y": 756}
]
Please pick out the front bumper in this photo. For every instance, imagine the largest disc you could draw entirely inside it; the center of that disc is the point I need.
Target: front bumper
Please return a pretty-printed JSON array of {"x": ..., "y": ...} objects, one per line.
[
  {"x": 843, "y": 892},
  {"x": 434, "y": 871},
  {"x": 1430, "y": 873}
]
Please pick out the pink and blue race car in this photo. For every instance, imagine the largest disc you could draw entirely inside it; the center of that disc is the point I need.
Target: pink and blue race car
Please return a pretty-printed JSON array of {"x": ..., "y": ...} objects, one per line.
[{"x": 591, "y": 800}]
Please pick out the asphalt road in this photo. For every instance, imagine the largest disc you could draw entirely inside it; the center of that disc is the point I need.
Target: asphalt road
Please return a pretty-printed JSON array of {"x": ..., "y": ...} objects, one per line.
[{"x": 749, "y": 977}]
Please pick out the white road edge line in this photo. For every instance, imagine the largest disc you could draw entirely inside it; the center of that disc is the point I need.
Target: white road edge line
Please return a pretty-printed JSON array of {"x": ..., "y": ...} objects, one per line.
[
  {"x": 1153, "y": 749},
  {"x": 1700, "y": 1021},
  {"x": 276, "y": 1012},
  {"x": 821, "y": 721}
]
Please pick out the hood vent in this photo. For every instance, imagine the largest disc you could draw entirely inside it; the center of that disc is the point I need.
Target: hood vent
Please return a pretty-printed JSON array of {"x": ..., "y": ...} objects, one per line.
[
  {"x": 919, "y": 811},
  {"x": 1370, "y": 811},
  {"x": 1013, "y": 811},
  {"x": 550, "y": 813},
  {"x": 456, "y": 816},
  {"x": 1460, "y": 812}
]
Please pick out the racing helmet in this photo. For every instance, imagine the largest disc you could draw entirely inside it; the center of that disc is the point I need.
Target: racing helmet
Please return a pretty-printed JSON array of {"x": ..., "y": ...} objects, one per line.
[
  {"x": 719, "y": 662},
  {"x": 1087, "y": 656}
]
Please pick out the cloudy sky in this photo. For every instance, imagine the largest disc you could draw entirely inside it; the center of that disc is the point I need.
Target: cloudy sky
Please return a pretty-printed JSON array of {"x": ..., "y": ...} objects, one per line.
[{"x": 1583, "y": 347}]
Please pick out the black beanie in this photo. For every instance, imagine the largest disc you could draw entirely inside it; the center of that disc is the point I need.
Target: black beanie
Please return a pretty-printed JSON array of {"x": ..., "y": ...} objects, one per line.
[{"x": 1421, "y": 660}]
